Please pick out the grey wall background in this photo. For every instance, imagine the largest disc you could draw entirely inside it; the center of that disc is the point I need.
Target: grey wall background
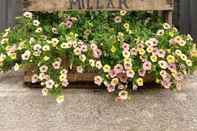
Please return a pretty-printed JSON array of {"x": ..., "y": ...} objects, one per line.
[
  {"x": 185, "y": 14},
  {"x": 9, "y": 9}
]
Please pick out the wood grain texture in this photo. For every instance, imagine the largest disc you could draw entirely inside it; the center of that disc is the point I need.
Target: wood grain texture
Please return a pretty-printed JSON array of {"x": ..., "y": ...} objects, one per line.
[
  {"x": 67, "y": 5},
  {"x": 72, "y": 77}
]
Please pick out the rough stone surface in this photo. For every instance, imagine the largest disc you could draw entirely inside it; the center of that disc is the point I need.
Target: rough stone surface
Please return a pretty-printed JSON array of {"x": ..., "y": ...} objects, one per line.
[{"x": 25, "y": 109}]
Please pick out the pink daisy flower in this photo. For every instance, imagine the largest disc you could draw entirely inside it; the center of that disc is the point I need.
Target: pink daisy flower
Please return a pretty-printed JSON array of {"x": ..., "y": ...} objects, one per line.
[
  {"x": 110, "y": 88},
  {"x": 130, "y": 74},
  {"x": 123, "y": 77},
  {"x": 147, "y": 65},
  {"x": 125, "y": 46},
  {"x": 84, "y": 48},
  {"x": 127, "y": 65},
  {"x": 97, "y": 53},
  {"x": 166, "y": 84},
  {"x": 112, "y": 73},
  {"x": 172, "y": 67},
  {"x": 161, "y": 53},
  {"x": 118, "y": 68},
  {"x": 133, "y": 51},
  {"x": 142, "y": 72},
  {"x": 65, "y": 83},
  {"x": 68, "y": 23},
  {"x": 98, "y": 80},
  {"x": 155, "y": 51}
]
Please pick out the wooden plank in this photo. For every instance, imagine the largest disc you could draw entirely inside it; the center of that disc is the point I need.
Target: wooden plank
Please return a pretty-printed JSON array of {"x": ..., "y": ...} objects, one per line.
[
  {"x": 168, "y": 16},
  {"x": 193, "y": 16},
  {"x": 67, "y": 5},
  {"x": 3, "y": 14},
  {"x": 9, "y": 9},
  {"x": 176, "y": 13},
  {"x": 76, "y": 80},
  {"x": 184, "y": 16},
  {"x": 72, "y": 77},
  {"x": 14, "y": 9}
]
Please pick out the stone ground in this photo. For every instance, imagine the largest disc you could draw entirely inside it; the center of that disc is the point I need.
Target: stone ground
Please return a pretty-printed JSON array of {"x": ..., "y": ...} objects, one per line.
[{"x": 25, "y": 109}]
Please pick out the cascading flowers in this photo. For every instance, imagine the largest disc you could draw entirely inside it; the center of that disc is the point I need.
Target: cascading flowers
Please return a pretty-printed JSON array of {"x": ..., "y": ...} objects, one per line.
[{"x": 122, "y": 47}]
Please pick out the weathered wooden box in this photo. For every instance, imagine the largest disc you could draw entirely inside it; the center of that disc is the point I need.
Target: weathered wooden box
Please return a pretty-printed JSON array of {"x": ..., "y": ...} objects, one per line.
[
  {"x": 164, "y": 7},
  {"x": 56, "y": 5}
]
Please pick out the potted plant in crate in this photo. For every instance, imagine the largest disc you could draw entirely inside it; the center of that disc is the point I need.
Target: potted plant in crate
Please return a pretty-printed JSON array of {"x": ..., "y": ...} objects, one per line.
[{"x": 121, "y": 47}]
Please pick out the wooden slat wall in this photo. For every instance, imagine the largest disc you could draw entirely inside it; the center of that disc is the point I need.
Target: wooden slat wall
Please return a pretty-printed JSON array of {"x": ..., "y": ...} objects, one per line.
[
  {"x": 3, "y": 12},
  {"x": 9, "y": 9},
  {"x": 193, "y": 18},
  {"x": 186, "y": 16}
]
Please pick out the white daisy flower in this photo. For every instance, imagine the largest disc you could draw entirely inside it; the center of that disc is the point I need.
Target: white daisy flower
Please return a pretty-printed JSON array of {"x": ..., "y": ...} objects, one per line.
[
  {"x": 160, "y": 32},
  {"x": 49, "y": 84},
  {"x": 26, "y": 55},
  {"x": 5, "y": 34},
  {"x": 8, "y": 29},
  {"x": 99, "y": 65},
  {"x": 182, "y": 43},
  {"x": 166, "y": 26},
  {"x": 60, "y": 99},
  {"x": 163, "y": 64},
  {"x": 42, "y": 76},
  {"x": 77, "y": 51},
  {"x": 63, "y": 77},
  {"x": 46, "y": 58},
  {"x": 178, "y": 52},
  {"x": 92, "y": 62},
  {"x": 45, "y": 91},
  {"x": 38, "y": 30},
  {"x": 36, "y": 23},
  {"x": 123, "y": 94},
  {"x": 55, "y": 42},
  {"x": 34, "y": 78},
  {"x": 64, "y": 71},
  {"x": 43, "y": 69},
  {"x": 135, "y": 87},
  {"x": 98, "y": 80},
  {"x": 56, "y": 65},
  {"x": 32, "y": 40},
  {"x": 28, "y": 15},
  {"x": 66, "y": 45},
  {"x": 183, "y": 57},
  {"x": 82, "y": 58},
  {"x": 189, "y": 62},
  {"x": 189, "y": 37},
  {"x": 4, "y": 41},
  {"x": 65, "y": 83},
  {"x": 126, "y": 54},
  {"x": 54, "y": 30},
  {"x": 114, "y": 82},
  {"x": 93, "y": 46},
  {"x": 46, "y": 48},
  {"x": 80, "y": 69},
  {"x": 37, "y": 47},
  {"x": 16, "y": 67}
]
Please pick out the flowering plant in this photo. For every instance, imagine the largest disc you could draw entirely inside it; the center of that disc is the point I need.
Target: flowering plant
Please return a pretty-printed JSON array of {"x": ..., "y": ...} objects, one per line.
[{"x": 123, "y": 47}]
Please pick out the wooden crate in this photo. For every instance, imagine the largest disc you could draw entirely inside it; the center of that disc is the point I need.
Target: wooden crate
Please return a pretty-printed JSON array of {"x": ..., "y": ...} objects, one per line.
[
  {"x": 65, "y": 5},
  {"x": 165, "y": 7}
]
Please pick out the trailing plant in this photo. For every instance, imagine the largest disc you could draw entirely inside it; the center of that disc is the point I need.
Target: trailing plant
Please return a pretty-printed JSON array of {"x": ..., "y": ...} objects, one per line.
[{"x": 122, "y": 47}]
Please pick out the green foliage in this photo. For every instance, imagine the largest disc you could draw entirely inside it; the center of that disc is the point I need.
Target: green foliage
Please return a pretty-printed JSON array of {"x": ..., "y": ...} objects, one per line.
[{"x": 122, "y": 46}]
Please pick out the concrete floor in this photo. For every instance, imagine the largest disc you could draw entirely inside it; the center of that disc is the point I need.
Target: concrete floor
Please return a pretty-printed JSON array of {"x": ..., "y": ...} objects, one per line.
[{"x": 25, "y": 109}]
